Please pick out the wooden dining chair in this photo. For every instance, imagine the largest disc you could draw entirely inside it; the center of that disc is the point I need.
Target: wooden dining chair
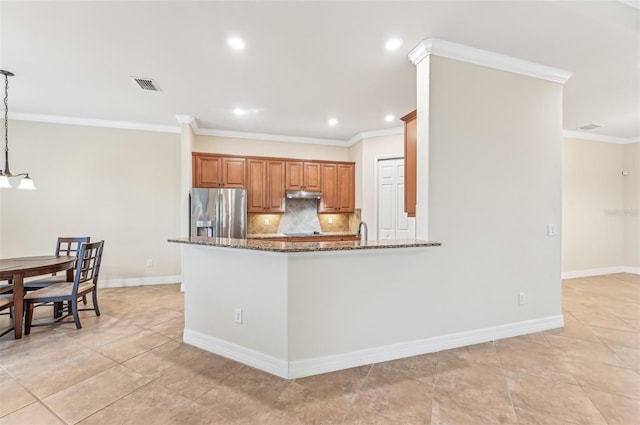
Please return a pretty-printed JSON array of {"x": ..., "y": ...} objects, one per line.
[
  {"x": 6, "y": 302},
  {"x": 65, "y": 246},
  {"x": 85, "y": 281}
]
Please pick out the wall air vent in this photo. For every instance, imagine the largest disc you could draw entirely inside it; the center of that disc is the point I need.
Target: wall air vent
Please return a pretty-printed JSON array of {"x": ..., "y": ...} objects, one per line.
[
  {"x": 589, "y": 127},
  {"x": 146, "y": 83}
]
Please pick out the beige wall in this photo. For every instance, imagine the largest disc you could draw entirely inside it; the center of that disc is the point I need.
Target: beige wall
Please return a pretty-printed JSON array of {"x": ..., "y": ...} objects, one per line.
[
  {"x": 122, "y": 186},
  {"x": 493, "y": 150},
  {"x": 248, "y": 147},
  {"x": 367, "y": 153},
  {"x": 593, "y": 233},
  {"x": 632, "y": 205}
]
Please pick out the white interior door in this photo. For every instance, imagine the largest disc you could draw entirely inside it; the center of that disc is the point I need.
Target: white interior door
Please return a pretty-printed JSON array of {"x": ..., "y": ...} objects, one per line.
[{"x": 393, "y": 222}]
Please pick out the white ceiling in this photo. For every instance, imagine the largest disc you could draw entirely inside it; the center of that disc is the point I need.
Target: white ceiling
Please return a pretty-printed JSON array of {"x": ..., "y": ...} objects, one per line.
[{"x": 304, "y": 62}]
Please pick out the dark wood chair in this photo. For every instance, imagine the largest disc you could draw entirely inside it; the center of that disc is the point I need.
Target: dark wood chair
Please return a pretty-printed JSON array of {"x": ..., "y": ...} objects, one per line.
[
  {"x": 6, "y": 302},
  {"x": 65, "y": 246},
  {"x": 85, "y": 281}
]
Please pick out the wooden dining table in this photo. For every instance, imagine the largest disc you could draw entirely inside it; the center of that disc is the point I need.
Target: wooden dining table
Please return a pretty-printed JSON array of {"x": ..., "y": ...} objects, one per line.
[{"x": 17, "y": 269}]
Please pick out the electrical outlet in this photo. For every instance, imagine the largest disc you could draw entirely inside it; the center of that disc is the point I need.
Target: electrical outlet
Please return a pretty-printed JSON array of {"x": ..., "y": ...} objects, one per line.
[
  {"x": 330, "y": 220},
  {"x": 149, "y": 263},
  {"x": 237, "y": 315},
  {"x": 521, "y": 298},
  {"x": 267, "y": 221}
]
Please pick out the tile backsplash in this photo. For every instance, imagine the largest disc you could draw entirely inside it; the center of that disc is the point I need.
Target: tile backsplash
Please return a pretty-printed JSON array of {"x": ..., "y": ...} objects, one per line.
[{"x": 302, "y": 216}]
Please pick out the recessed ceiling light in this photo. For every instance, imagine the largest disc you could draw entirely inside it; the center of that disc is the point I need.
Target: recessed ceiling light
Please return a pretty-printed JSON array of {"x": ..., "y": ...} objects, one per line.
[
  {"x": 333, "y": 122},
  {"x": 393, "y": 43},
  {"x": 236, "y": 43},
  {"x": 239, "y": 112},
  {"x": 389, "y": 118}
]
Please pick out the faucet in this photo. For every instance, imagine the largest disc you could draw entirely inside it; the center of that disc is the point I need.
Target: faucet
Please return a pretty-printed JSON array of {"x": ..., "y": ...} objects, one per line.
[{"x": 362, "y": 235}]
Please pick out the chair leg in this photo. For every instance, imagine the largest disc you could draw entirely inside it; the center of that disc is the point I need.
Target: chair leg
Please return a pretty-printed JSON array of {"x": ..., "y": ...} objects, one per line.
[
  {"x": 84, "y": 299},
  {"x": 74, "y": 311},
  {"x": 57, "y": 309},
  {"x": 94, "y": 295},
  {"x": 28, "y": 317}
]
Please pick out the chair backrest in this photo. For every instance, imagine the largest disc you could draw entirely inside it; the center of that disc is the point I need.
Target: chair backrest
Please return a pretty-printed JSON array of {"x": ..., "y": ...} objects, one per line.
[
  {"x": 70, "y": 246},
  {"x": 88, "y": 265}
]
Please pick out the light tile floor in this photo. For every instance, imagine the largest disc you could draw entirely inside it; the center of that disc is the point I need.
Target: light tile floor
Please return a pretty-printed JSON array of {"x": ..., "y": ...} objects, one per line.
[{"x": 130, "y": 366}]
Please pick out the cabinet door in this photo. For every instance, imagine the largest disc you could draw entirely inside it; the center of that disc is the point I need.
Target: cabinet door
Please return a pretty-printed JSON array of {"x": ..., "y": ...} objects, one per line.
[
  {"x": 345, "y": 188},
  {"x": 294, "y": 175},
  {"x": 207, "y": 171},
  {"x": 329, "y": 202},
  {"x": 312, "y": 177},
  {"x": 256, "y": 184},
  {"x": 410, "y": 162},
  {"x": 274, "y": 187},
  {"x": 233, "y": 172}
]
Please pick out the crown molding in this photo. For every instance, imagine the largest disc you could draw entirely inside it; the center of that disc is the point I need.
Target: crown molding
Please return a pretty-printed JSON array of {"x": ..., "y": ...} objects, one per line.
[
  {"x": 190, "y": 121},
  {"x": 92, "y": 122},
  {"x": 185, "y": 119},
  {"x": 460, "y": 52},
  {"x": 375, "y": 133},
  {"x": 599, "y": 137},
  {"x": 269, "y": 137}
]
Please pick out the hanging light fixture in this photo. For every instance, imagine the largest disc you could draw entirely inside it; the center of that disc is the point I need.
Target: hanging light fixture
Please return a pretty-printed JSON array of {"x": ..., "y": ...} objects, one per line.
[{"x": 26, "y": 182}]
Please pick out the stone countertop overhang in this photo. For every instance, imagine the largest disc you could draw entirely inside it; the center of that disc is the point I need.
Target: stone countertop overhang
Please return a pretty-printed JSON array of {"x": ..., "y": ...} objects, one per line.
[{"x": 290, "y": 247}]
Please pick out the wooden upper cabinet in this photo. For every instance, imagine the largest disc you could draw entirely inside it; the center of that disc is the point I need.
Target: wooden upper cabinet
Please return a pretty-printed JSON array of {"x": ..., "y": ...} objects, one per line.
[
  {"x": 275, "y": 186},
  {"x": 303, "y": 176},
  {"x": 346, "y": 187},
  {"x": 338, "y": 191},
  {"x": 207, "y": 171},
  {"x": 233, "y": 172},
  {"x": 218, "y": 171},
  {"x": 410, "y": 162},
  {"x": 265, "y": 186}
]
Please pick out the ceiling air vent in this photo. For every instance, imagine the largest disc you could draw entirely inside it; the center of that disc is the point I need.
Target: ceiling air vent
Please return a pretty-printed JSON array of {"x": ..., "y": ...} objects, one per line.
[
  {"x": 589, "y": 127},
  {"x": 146, "y": 83}
]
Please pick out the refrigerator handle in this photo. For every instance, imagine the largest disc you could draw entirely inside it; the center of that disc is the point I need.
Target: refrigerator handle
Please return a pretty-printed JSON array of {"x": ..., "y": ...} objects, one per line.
[{"x": 219, "y": 215}]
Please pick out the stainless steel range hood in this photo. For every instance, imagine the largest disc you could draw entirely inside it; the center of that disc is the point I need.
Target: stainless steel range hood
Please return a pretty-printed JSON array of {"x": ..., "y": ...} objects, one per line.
[{"x": 303, "y": 194}]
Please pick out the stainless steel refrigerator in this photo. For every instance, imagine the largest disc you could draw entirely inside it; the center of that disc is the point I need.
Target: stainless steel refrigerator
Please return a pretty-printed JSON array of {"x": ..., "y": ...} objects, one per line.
[{"x": 219, "y": 213}]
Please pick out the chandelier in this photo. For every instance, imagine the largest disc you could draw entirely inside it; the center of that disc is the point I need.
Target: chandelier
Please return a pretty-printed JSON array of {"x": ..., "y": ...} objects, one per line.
[{"x": 26, "y": 182}]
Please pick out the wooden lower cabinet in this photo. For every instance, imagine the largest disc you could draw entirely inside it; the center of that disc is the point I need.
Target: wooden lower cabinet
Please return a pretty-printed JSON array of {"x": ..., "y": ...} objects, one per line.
[
  {"x": 265, "y": 188},
  {"x": 338, "y": 186}
]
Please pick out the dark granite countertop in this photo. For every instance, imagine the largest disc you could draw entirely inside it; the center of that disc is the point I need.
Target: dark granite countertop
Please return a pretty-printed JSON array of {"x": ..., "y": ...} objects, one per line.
[{"x": 275, "y": 246}]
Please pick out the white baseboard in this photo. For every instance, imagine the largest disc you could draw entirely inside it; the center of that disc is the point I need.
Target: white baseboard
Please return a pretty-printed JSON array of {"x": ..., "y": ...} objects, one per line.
[
  {"x": 600, "y": 272},
  {"x": 238, "y": 353},
  {"x": 315, "y": 366},
  {"x": 140, "y": 281}
]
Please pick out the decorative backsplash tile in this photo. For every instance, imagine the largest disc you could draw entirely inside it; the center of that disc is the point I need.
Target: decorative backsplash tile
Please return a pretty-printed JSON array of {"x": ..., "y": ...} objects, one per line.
[
  {"x": 301, "y": 216},
  {"x": 256, "y": 223},
  {"x": 354, "y": 220},
  {"x": 340, "y": 222}
]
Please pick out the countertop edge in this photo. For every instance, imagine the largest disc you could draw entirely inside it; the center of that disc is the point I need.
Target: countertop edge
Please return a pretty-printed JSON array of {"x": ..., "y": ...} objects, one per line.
[{"x": 292, "y": 247}]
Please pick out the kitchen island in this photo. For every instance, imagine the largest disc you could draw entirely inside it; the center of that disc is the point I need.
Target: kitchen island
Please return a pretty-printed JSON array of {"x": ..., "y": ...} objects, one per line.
[{"x": 296, "y": 309}]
